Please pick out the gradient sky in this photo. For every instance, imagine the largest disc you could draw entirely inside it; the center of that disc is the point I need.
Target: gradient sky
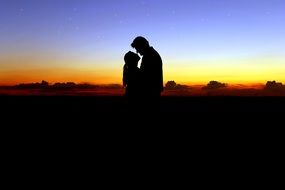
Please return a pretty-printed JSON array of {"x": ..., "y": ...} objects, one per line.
[{"x": 233, "y": 41}]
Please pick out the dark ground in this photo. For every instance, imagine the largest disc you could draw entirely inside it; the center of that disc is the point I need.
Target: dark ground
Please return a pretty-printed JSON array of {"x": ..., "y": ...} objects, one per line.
[
  {"x": 179, "y": 111},
  {"x": 195, "y": 120},
  {"x": 213, "y": 134}
]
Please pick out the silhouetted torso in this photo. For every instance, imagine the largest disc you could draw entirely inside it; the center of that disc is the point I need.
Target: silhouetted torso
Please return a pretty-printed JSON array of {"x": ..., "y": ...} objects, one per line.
[
  {"x": 132, "y": 80},
  {"x": 152, "y": 74}
]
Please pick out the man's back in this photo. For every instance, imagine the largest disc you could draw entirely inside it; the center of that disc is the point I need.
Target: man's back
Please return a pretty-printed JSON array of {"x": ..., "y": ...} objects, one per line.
[{"x": 152, "y": 74}]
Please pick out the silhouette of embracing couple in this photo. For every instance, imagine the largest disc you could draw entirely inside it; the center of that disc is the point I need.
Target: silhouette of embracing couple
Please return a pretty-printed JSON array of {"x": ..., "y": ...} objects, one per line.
[{"x": 146, "y": 81}]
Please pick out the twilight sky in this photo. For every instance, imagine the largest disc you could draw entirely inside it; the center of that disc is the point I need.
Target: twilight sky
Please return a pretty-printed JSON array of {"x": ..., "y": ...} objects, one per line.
[{"x": 233, "y": 41}]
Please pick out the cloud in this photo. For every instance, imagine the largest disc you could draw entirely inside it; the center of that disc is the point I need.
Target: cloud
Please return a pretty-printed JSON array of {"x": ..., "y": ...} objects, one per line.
[
  {"x": 212, "y": 85},
  {"x": 37, "y": 85},
  {"x": 172, "y": 85},
  {"x": 274, "y": 86}
]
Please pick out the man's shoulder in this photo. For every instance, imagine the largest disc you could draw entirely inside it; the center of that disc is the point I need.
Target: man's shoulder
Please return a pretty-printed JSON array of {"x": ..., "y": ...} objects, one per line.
[
  {"x": 153, "y": 52},
  {"x": 152, "y": 49}
]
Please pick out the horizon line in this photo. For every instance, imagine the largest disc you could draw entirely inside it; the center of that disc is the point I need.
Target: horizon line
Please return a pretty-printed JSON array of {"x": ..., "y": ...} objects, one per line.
[{"x": 114, "y": 83}]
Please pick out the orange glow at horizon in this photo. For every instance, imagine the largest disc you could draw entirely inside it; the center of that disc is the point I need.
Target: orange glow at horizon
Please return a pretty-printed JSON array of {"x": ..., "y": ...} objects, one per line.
[
  {"x": 24, "y": 69},
  {"x": 59, "y": 75},
  {"x": 247, "y": 71},
  {"x": 239, "y": 71}
]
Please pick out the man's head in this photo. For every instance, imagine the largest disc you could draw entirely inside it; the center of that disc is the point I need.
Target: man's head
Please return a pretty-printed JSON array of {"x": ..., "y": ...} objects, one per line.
[{"x": 140, "y": 44}]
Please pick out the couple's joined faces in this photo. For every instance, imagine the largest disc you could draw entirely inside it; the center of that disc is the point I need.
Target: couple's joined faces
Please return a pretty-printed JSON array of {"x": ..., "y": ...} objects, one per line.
[{"x": 139, "y": 50}]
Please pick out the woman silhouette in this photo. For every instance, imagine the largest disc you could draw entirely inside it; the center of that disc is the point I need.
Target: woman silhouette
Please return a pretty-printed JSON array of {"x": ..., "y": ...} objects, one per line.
[{"x": 131, "y": 75}]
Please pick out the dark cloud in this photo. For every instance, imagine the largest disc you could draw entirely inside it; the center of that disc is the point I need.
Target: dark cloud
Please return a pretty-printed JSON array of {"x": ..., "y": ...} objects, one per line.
[
  {"x": 274, "y": 86},
  {"x": 37, "y": 85},
  {"x": 172, "y": 85},
  {"x": 212, "y": 85}
]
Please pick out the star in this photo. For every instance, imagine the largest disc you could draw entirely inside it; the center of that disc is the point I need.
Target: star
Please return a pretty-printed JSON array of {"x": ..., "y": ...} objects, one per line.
[{"x": 21, "y": 10}]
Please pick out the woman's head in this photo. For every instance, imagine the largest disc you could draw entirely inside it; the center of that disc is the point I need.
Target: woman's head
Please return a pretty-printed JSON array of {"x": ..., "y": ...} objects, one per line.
[{"x": 131, "y": 58}]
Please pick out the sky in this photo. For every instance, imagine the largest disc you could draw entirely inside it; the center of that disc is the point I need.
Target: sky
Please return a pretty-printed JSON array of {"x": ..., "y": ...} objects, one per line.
[{"x": 232, "y": 41}]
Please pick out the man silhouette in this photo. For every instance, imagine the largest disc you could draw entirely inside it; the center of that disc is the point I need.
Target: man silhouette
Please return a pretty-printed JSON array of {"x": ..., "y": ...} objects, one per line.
[{"x": 151, "y": 68}]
